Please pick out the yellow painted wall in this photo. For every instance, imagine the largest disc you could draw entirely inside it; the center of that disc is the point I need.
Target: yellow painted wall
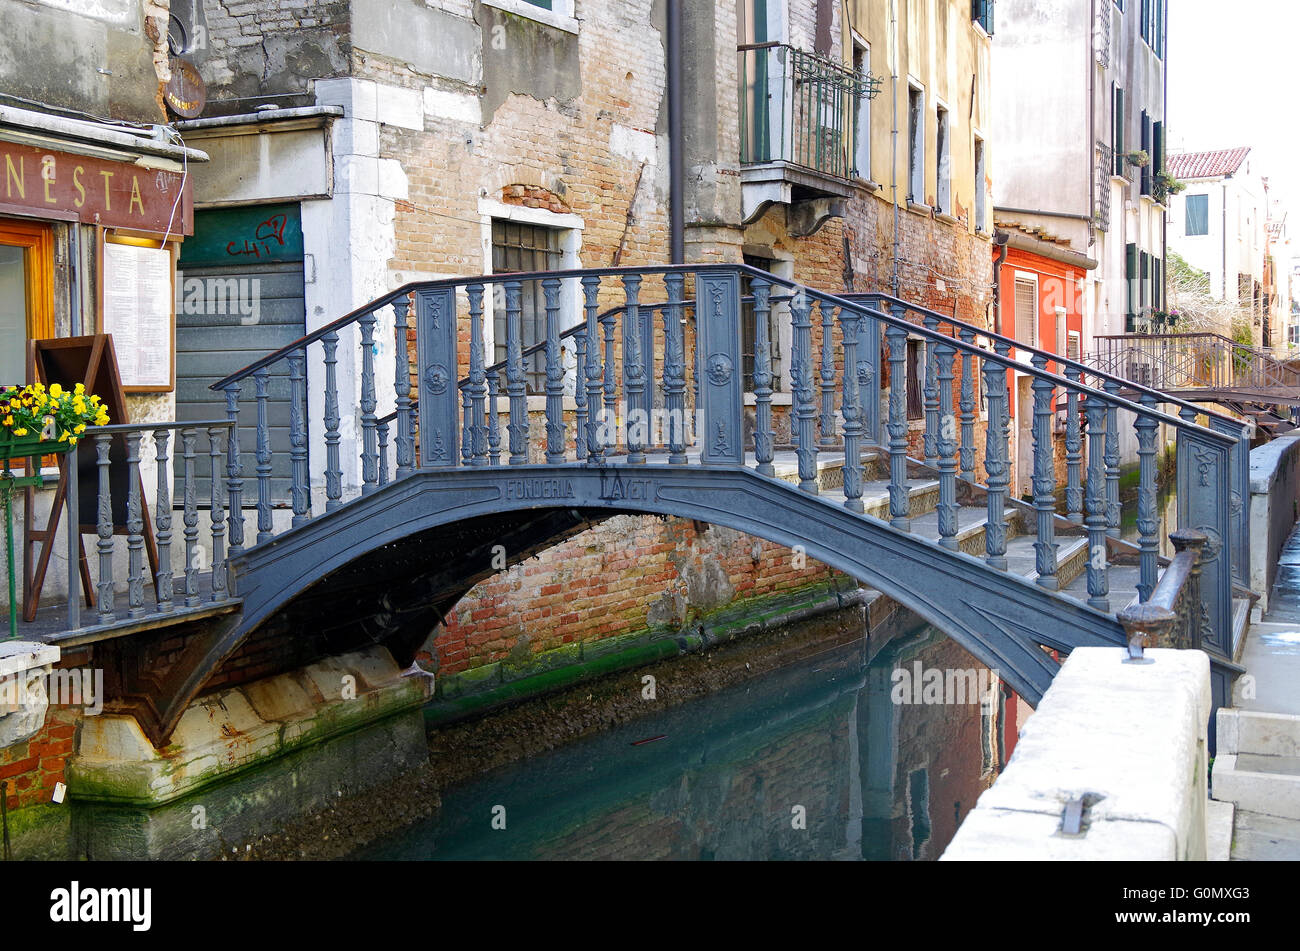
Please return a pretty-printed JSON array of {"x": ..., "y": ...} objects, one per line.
[{"x": 935, "y": 44}]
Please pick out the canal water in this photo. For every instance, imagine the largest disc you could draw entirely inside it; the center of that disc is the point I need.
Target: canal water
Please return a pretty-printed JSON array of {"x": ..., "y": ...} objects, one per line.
[{"x": 835, "y": 757}]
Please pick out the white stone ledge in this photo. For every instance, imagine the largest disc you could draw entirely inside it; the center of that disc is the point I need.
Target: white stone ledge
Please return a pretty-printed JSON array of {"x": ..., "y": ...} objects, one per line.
[{"x": 1130, "y": 737}]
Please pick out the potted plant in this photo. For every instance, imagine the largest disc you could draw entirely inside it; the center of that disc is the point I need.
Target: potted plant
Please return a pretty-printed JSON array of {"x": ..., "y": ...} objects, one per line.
[
  {"x": 1138, "y": 158},
  {"x": 1169, "y": 183},
  {"x": 35, "y": 421}
]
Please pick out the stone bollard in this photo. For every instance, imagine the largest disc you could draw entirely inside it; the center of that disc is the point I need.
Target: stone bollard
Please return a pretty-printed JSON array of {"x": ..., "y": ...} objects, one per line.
[{"x": 25, "y": 668}]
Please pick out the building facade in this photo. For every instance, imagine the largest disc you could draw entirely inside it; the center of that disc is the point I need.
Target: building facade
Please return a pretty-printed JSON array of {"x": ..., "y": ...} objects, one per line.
[{"x": 1219, "y": 225}]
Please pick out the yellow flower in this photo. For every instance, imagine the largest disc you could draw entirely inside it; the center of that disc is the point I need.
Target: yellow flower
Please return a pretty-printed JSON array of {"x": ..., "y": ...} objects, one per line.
[
  {"x": 8, "y": 420},
  {"x": 80, "y": 429},
  {"x": 79, "y": 389},
  {"x": 20, "y": 432},
  {"x": 56, "y": 390},
  {"x": 63, "y": 437}
]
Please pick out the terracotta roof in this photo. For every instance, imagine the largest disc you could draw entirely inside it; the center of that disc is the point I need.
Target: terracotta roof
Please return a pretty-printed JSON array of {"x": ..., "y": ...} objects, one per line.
[{"x": 1206, "y": 164}]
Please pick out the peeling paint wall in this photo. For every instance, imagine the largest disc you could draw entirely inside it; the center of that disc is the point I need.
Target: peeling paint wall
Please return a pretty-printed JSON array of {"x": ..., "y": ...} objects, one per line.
[{"x": 105, "y": 57}]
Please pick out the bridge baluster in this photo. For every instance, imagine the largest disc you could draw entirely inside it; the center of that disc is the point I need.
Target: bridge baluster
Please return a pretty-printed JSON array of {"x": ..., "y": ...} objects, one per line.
[
  {"x": 610, "y": 388},
  {"x": 333, "y": 466},
  {"x": 1073, "y": 449},
  {"x": 674, "y": 374},
  {"x": 805, "y": 400},
  {"x": 134, "y": 529},
  {"x": 369, "y": 433},
  {"x": 931, "y": 393},
  {"x": 945, "y": 445},
  {"x": 382, "y": 426},
  {"x": 515, "y": 387},
  {"x": 477, "y": 378},
  {"x": 967, "y": 407},
  {"x": 494, "y": 427},
  {"x": 234, "y": 473},
  {"x": 581, "y": 426},
  {"x": 191, "y": 520},
  {"x": 162, "y": 517},
  {"x": 405, "y": 438},
  {"x": 261, "y": 379},
  {"x": 1044, "y": 480},
  {"x": 634, "y": 372},
  {"x": 555, "y": 427},
  {"x": 300, "y": 491},
  {"x": 1148, "y": 518},
  {"x": 763, "y": 435},
  {"x": 592, "y": 370},
  {"x": 899, "y": 499},
  {"x": 827, "y": 421},
  {"x": 997, "y": 466},
  {"x": 466, "y": 428},
  {"x": 1096, "y": 412},
  {"x": 218, "y": 518},
  {"x": 1112, "y": 462},
  {"x": 850, "y": 408}
]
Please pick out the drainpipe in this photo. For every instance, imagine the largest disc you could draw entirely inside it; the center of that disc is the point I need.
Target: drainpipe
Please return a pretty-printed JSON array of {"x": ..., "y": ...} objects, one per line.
[
  {"x": 676, "y": 163},
  {"x": 1000, "y": 239}
]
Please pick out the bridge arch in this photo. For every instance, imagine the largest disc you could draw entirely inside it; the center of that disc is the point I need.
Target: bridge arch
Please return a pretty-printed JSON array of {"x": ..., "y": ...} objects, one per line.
[{"x": 1000, "y": 619}]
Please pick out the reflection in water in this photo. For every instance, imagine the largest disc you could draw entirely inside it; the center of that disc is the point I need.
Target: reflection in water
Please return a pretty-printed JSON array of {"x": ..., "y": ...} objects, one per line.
[
  {"x": 1167, "y": 509},
  {"x": 814, "y": 761}
]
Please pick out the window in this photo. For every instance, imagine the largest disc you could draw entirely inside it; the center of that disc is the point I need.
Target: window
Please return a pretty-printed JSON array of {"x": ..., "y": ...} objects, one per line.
[
  {"x": 1146, "y": 170},
  {"x": 1072, "y": 345},
  {"x": 749, "y": 328},
  {"x": 981, "y": 187},
  {"x": 981, "y": 11},
  {"x": 556, "y": 13},
  {"x": 1198, "y": 215},
  {"x": 26, "y": 293},
  {"x": 1153, "y": 25},
  {"x": 1059, "y": 313},
  {"x": 1158, "y": 152},
  {"x": 1117, "y": 133},
  {"x": 519, "y": 248},
  {"x": 862, "y": 114},
  {"x": 1145, "y": 301},
  {"x": 1130, "y": 283},
  {"x": 943, "y": 197},
  {"x": 916, "y": 144},
  {"x": 1027, "y": 311}
]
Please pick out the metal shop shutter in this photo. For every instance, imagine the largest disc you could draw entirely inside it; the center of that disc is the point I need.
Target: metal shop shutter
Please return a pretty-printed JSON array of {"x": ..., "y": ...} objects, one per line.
[{"x": 239, "y": 296}]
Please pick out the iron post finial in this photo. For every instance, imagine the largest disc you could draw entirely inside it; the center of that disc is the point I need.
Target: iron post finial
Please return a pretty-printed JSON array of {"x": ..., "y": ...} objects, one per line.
[{"x": 1145, "y": 625}]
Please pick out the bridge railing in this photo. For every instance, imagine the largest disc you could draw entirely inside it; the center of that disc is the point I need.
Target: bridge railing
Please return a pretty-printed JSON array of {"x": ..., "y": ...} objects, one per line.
[
  {"x": 1192, "y": 361},
  {"x": 1098, "y": 375},
  {"x": 662, "y": 373},
  {"x": 117, "y": 461}
]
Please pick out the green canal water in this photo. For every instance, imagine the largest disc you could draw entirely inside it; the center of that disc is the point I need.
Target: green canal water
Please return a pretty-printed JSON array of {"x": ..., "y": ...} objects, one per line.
[{"x": 814, "y": 761}]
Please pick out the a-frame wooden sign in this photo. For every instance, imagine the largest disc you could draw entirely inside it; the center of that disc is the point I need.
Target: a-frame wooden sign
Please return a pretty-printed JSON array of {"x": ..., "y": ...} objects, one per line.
[{"x": 67, "y": 361}]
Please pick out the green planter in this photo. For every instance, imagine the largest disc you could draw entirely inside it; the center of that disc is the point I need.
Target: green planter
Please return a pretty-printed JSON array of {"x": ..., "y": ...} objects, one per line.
[{"x": 19, "y": 447}]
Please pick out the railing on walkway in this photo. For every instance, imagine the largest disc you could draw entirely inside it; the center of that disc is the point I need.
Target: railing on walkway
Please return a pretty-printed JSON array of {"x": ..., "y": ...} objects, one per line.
[
  {"x": 1192, "y": 361},
  {"x": 115, "y": 455},
  {"x": 679, "y": 327},
  {"x": 800, "y": 107}
]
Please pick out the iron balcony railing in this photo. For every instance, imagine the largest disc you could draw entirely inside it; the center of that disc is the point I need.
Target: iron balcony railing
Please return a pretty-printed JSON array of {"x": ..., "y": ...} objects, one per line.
[
  {"x": 801, "y": 108},
  {"x": 1193, "y": 361}
]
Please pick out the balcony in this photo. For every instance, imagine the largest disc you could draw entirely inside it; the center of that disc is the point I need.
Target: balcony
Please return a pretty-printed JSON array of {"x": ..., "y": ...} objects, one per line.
[{"x": 799, "y": 132}]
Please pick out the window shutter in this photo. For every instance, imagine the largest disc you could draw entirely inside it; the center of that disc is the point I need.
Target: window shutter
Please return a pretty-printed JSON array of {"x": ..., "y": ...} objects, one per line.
[
  {"x": 1117, "y": 138},
  {"x": 1130, "y": 278},
  {"x": 1027, "y": 312}
]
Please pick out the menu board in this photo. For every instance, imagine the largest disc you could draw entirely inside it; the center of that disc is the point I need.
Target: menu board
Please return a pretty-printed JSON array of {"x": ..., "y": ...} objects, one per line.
[{"x": 138, "y": 312}]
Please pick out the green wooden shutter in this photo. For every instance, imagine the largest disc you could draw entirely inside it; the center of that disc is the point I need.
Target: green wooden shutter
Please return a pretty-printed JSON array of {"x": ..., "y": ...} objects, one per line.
[{"x": 1130, "y": 280}]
